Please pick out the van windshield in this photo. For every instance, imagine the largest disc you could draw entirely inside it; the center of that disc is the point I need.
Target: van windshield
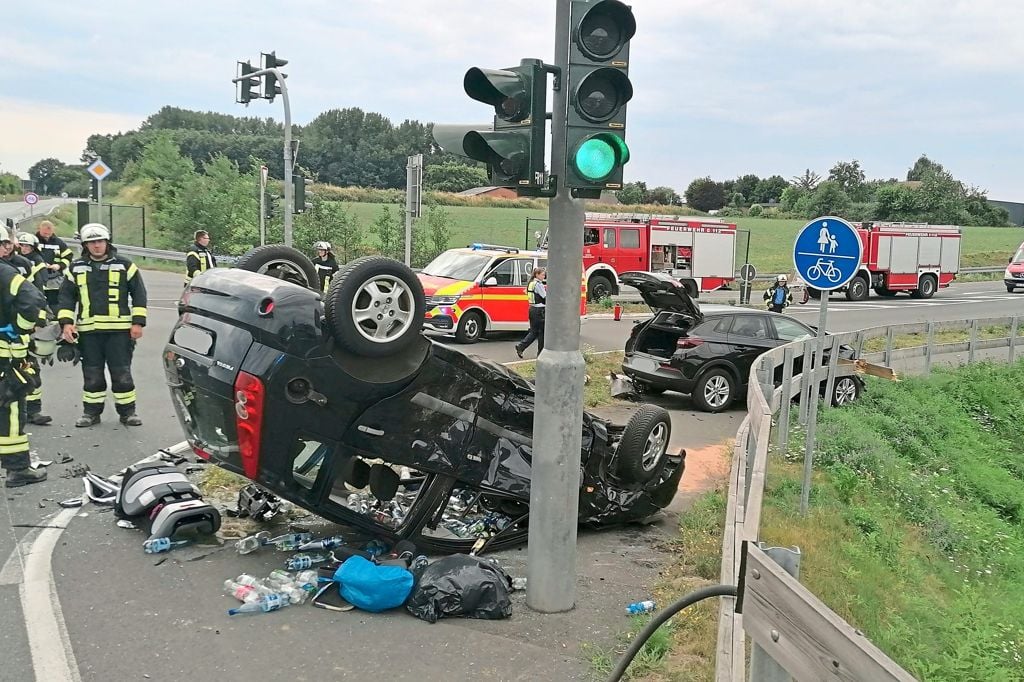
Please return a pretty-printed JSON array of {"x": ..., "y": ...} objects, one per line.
[
  {"x": 1019, "y": 256},
  {"x": 458, "y": 265}
]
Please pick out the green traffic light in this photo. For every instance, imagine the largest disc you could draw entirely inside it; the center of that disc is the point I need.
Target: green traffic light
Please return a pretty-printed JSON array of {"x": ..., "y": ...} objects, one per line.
[{"x": 597, "y": 156}]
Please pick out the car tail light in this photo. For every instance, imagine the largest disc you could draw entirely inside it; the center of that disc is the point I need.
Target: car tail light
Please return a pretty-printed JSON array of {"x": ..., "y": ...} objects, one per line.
[
  {"x": 249, "y": 403},
  {"x": 266, "y": 307},
  {"x": 687, "y": 342},
  {"x": 200, "y": 452}
]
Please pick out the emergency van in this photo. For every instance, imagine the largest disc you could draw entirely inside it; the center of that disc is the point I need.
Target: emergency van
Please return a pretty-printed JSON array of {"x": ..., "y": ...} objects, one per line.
[{"x": 479, "y": 289}]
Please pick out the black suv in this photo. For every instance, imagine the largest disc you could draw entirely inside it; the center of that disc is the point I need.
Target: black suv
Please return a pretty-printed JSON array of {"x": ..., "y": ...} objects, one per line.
[
  {"x": 338, "y": 403},
  {"x": 708, "y": 351}
]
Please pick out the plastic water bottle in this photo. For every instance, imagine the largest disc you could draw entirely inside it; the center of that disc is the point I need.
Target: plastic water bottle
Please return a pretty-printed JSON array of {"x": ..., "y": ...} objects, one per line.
[
  {"x": 269, "y": 602},
  {"x": 157, "y": 545},
  {"x": 249, "y": 580},
  {"x": 307, "y": 580},
  {"x": 332, "y": 542},
  {"x": 243, "y": 593},
  {"x": 639, "y": 607},
  {"x": 294, "y": 593},
  {"x": 518, "y": 584},
  {"x": 375, "y": 548},
  {"x": 250, "y": 544},
  {"x": 419, "y": 562},
  {"x": 279, "y": 576},
  {"x": 292, "y": 541},
  {"x": 301, "y": 562}
]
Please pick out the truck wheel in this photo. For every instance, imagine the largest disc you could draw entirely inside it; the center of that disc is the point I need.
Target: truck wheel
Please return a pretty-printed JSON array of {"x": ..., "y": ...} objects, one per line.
[
  {"x": 283, "y": 262},
  {"x": 714, "y": 391},
  {"x": 470, "y": 329},
  {"x": 814, "y": 293},
  {"x": 599, "y": 287},
  {"x": 643, "y": 444},
  {"x": 925, "y": 288},
  {"x": 375, "y": 306},
  {"x": 857, "y": 289}
]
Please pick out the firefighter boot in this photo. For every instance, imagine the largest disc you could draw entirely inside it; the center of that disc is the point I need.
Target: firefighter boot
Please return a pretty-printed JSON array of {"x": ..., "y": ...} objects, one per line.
[
  {"x": 87, "y": 420},
  {"x": 39, "y": 419},
  {"x": 131, "y": 419},
  {"x": 20, "y": 477}
]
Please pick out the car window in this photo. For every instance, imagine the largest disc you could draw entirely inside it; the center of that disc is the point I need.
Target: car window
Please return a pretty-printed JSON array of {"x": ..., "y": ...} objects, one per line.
[
  {"x": 525, "y": 267},
  {"x": 787, "y": 329},
  {"x": 750, "y": 326},
  {"x": 715, "y": 325},
  {"x": 591, "y": 236},
  {"x": 609, "y": 237},
  {"x": 504, "y": 272},
  {"x": 630, "y": 239}
]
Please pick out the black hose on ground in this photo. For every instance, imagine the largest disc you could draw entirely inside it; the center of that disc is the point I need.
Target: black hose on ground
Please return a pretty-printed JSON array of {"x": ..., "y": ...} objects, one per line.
[{"x": 659, "y": 620}]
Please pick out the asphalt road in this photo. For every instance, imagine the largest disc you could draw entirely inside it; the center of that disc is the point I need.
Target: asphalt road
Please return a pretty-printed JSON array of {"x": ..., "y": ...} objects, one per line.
[
  {"x": 19, "y": 209},
  {"x": 133, "y": 616}
]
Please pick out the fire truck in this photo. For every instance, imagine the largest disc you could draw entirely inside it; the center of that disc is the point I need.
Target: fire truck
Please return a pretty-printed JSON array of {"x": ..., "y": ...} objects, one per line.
[
  {"x": 913, "y": 257},
  {"x": 699, "y": 252}
]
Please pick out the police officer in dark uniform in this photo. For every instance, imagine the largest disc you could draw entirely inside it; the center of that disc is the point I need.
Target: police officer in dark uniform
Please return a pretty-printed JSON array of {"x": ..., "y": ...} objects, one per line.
[
  {"x": 57, "y": 255},
  {"x": 199, "y": 258},
  {"x": 325, "y": 263},
  {"x": 536, "y": 294},
  {"x": 110, "y": 298},
  {"x": 22, "y": 306}
]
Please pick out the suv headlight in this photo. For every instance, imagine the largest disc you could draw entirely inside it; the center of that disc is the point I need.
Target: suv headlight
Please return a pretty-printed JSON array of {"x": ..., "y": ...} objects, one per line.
[{"x": 444, "y": 300}]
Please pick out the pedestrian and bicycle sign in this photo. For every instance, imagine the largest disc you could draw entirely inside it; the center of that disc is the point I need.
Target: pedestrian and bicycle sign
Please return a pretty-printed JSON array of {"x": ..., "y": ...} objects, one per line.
[
  {"x": 31, "y": 198},
  {"x": 827, "y": 253},
  {"x": 98, "y": 169}
]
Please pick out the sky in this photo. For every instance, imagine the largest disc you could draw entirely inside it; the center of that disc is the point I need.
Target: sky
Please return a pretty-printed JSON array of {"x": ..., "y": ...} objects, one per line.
[{"x": 722, "y": 87}]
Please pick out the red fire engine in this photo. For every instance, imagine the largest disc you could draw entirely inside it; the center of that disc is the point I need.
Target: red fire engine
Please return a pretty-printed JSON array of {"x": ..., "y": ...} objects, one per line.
[
  {"x": 699, "y": 252},
  {"x": 912, "y": 257}
]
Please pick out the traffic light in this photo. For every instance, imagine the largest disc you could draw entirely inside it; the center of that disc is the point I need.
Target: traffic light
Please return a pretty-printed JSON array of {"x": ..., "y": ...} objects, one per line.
[
  {"x": 513, "y": 150},
  {"x": 246, "y": 89},
  {"x": 94, "y": 189},
  {"x": 271, "y": 88},
  {"x": 299, "y": 183},
  {"x": 268, "y": 205},
  {"x": 599, "y": 89}
]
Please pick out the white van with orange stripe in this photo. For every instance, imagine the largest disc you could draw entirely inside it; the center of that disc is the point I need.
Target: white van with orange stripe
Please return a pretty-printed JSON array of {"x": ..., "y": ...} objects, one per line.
[{"x": 479, "y": 289}]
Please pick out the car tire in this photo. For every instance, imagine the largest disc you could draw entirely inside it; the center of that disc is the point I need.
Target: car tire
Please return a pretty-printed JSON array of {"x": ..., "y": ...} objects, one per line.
[
  {"x": 1010, "y": 288},
  {"x": 471, "y": 328},
  {"x": 641, "y": 450},
  {"x": 715, "y": 390},
  {"x": 857, "y": 289},
  {"x": 814, "y": 293},
  {"x": 598, "y": 287},
  {"x": 925, "y": 288},
  {"x": 845, "y": 390},
  {"x": 282, "y": 262},
  {"x": 381, "y": 284}
]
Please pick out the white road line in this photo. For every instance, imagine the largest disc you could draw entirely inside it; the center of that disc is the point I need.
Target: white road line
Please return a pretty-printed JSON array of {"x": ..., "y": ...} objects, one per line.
[{"x": 52, "y": 657}]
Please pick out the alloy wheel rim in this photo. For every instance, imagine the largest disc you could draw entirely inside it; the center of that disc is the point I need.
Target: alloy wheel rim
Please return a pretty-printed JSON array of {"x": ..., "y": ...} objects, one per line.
[
  {"x": 383, "y": 309},
  {"x": 655, "y": 447},
  {"x": 716, "y": 391}
]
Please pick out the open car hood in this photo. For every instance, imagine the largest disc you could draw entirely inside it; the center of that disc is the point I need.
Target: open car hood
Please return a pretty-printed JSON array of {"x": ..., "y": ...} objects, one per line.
[{"x": 662, "y": 292}]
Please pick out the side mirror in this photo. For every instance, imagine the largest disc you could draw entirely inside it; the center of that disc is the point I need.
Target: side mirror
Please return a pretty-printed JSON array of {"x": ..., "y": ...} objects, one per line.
[
  {"x": 1011, "y": 260},
  {"x": 490, "y": 282}
]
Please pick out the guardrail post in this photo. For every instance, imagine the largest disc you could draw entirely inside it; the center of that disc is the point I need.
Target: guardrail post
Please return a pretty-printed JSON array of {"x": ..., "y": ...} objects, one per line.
[
  {"x": 1013, "y": 337},
  {"x": 807, "y": 362},
  {"x": 860, "y": 343},
  {"x": 833, "y": 362},
  {"x": 889, "y": 338},
  {"x": 974, "y": 341},
  {"x": 785, "y": 399},
  {"x": 928, "y": 348},
  {"x": 763, "y": 667},
  {"x": 764, "y": 378},
  {"x": 143, "y": 227}
]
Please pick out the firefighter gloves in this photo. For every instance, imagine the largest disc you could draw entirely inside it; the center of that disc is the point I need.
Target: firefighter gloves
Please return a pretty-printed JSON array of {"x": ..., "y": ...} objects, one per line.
[{"x": 68, "y": 352}]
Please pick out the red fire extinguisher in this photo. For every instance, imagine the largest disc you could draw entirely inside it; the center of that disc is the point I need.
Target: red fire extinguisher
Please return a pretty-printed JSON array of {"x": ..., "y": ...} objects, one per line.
[{"x": 618, "y": 312}]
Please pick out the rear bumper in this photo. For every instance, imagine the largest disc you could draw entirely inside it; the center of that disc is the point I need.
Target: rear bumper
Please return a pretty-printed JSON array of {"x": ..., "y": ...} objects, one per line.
[{"x": 653, "y": 371}]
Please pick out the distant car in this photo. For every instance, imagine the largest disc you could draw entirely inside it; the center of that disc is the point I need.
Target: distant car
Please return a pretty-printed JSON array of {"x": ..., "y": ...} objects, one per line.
[
  {"x": 337, "y": 402},
  {"x": 707, "y": 351},
  {"x": 1014, "y": 275}
]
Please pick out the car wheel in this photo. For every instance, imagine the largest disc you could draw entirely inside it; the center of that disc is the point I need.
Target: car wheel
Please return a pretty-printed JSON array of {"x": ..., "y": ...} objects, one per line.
[
  {"x": 644, "y": 441},
  {"x": 599, "y": 287},
  {"x": 283, "y": 262},
  {"x": 814, "y": 293},
  {"x": 845, "y": 391},
  {"x": 375, "y": 306},
  {"x": 926, "y": 288},
  {"x": 715, "y": 390},
  {"x": 857, "y": 289},
  {"x": 1009, "y": 288},
  {"x": 470, "y": 329}
]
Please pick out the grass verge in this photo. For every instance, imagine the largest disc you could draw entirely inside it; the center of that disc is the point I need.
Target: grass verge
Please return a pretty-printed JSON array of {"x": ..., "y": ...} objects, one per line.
[
  {"x": 877, "y": 344},
  {"x": 597, "y": 391}
]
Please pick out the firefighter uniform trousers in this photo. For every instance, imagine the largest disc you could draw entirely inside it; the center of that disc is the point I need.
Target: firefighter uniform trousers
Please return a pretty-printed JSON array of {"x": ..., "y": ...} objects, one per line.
[{"x": 101, "y": 350}]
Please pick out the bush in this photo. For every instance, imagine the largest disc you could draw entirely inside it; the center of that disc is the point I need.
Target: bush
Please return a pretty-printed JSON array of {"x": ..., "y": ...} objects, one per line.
[{"x": 755, "y": 211}]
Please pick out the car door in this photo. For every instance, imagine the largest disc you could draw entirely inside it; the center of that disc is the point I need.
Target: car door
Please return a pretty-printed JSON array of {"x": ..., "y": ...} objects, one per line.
[
  {"x": 631, "y": 254},
  {"x": 502, "y": 294},
  {"x": 750, "y": 335},
  {"x": 788, "y": 330}
]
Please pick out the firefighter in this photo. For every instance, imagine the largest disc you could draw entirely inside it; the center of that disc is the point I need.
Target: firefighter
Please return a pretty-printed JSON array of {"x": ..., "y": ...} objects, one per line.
[
  {"x": 21, "y": 306},
  {"x": 778, "y": 295},
  {"x": 110, "y": 297},
  {"x": 29, "y": 245},
  {"x": 57, "y": 256},
  {"x": 199, "y": 258},
  {"x": 325, "y": 263},
  {"x": 536, "y": 295},
  {"x": 13, "y": 254}
]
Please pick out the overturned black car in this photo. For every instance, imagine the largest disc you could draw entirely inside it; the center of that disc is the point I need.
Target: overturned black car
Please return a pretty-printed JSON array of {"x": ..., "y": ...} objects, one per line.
[{"x": 338, "y": 404}]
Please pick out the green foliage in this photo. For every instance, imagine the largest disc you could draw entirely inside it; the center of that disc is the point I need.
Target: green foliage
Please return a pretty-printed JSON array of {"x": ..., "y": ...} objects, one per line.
[
  {"x": 828, "y": 198},
  {"x": 452, "y": 176},
  {"x": 663, "y": 196},
  {"x": 746, "y": 185},
  {"x": 849, "y": 176},
  {"x": 790, "y": 196},
  {"x": 737, "y": 200},
  {"x": 330, "y": 221},
  {"x": 755, "y": 211},
  {"x": 704, "y": 194},
  {"x": 43, "y": 171},
  {"x": 438, "y": 230},
  {"x": 389, "y": 233},
  {"x": 9, "y": 183},
  {"x": 769, "y": 190},
  {"x": 632, "y": 193},
  {"x": 922, "y": 166},
  {"x": 807, "y": 181}
]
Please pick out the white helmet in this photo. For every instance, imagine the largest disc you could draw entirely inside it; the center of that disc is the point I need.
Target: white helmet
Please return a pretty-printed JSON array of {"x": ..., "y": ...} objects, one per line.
[
  {"x": 5, "y": 236},
  {"x": 94, "y": 232},
  {"x": 322, "y": 246},
  {"x": 28, "y": 238},
  {"x": 783, "y": 278}
]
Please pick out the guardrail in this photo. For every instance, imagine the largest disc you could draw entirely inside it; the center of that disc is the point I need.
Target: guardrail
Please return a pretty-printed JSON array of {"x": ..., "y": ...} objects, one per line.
[{"x": 793, "y": 632}]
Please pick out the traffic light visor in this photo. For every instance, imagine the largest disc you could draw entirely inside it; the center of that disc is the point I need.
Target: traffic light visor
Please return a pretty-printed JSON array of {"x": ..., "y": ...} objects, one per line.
[
  {"x": 598, "y": 156},
  {"x": 506, "y": 150},
  {"x": 602, "y": 93},
  {"x": 504, "y": 90},
  {"x": 604, "y": 29}
]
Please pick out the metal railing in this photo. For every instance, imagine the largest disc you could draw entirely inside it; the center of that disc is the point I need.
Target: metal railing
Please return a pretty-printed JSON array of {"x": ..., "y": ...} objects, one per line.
[{"x": 786, "y": 623}]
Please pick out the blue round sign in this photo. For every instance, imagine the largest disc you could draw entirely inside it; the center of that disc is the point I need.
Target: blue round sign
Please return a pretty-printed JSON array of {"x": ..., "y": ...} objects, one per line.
[{"x": 827, "y": 253}]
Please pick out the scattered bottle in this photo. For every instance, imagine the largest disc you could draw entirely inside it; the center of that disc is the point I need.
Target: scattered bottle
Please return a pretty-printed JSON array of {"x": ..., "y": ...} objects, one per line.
[
  {"x": 243, "y": 593},
  {"x": 268, "y": 602},
  {"x": 518, "y": 584},
  {"x": 157, "y": 545},
  {"x": 639, "y": 607},
  {"x": 332, "y": 542},
  {"x": 419, "y": 562},
  {"x": 294, "y": 593},
  {"x": 250, "y": 544},
  {"x": 292, "y": 541},
  {"x": 375, "y": 548},
  {"x": 249, "y": 580},
  {"x": 301, "y": 562}
]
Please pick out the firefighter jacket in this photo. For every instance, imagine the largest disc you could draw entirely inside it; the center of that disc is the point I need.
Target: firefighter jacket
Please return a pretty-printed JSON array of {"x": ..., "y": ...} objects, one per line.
[
  {"x": 28, "y": 270},
  {"x": 22, "y": 306},
  {"x": 109, "y": 294},
  {"x": 198, "y": 259},
  {"x": 38, "y": 271},
  {"x": 55, "y": 250},
  {"x": 325, "y": 269}
]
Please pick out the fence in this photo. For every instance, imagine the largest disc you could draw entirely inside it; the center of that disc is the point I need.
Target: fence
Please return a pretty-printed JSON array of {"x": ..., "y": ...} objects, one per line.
[{"x": 794, "y": 633}]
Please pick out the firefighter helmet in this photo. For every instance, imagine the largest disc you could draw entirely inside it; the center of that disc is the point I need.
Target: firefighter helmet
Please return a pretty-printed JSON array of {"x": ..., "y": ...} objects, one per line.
[
  {"x": 322, "y": 246},
  {"x": 783, "y": 279},
  {"x": 28, "y": 238},
  {"x": 5, "y": 236},
  {"x": 94, "y": 232}
]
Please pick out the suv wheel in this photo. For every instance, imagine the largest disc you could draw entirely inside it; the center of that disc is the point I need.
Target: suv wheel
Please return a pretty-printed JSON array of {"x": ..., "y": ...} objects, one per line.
[
  {"x": 715, "y": 390},
  {"x": 845, "y": 391},
  {"x": 644, "y": 441},
  {"x": 283, "y": 262},
  {"x": 470, "y": 329},
  {"x": 375, "y": 306}
]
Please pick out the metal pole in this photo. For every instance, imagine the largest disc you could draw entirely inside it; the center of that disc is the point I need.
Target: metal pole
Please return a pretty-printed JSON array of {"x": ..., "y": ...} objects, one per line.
[
  {"x": 263, "y": 218},
  {"x": 557, "y": 420},
  {"x": 812, "y": 406},
  {"x": 763, "y": 667},
  {"x": 409, "y": 171},
  {"x": 289, "y": 191},
  {"x": 143, "y": 227},
  {"x": 99, "y": 201},
  {"x": 110, "y": 226}
]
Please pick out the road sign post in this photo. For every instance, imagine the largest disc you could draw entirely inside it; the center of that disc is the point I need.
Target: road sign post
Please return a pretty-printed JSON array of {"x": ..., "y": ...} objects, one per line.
[
  {"x": 413, "y": 199},
  {"x": 31, "y": 198},
  {"x": 264, "y": 171},
  {"x": 747, "y": 274},
  {"x": 99, "y": 170},
  {"x": 827, "y": 255}
]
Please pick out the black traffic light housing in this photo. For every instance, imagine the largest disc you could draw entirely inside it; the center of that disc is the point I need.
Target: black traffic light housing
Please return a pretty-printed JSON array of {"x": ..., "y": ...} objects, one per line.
[
  {"x": 94, "y": 189},
  {"x": 299, "y": 183},
  {"x": 513, "y": 150},
  {"x": 246, "y": 89},
  {"x": 271, "y": 88},
  {"x": 599, "y": 89}
]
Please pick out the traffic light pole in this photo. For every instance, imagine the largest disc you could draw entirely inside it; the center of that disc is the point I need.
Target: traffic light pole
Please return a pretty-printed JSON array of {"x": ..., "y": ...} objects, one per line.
[{"x": 558, "y": 415}]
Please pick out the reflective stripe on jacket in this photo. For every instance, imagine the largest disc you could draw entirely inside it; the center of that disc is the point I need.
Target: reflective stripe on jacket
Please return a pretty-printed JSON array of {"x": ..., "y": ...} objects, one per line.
[{"x": 109, "y": 295}]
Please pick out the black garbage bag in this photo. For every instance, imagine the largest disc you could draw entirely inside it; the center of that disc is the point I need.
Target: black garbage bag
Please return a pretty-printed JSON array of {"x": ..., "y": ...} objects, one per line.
[{"x": 461, "y": 585}]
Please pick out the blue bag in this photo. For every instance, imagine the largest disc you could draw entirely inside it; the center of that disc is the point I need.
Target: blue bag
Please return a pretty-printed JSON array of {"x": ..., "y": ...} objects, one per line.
[{"x": 373, "y": 588}]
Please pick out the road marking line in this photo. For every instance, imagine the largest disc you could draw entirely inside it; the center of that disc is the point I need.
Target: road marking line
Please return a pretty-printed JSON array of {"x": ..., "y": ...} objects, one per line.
[
  {"x": 11, "y": 573},
  {"x": 52, "y": 657}
]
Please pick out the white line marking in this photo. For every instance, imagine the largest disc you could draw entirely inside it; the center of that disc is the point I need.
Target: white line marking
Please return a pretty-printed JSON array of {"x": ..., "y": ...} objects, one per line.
[
  {"x": 52, "y": 657},
  {"x": 11, "y": 573}
]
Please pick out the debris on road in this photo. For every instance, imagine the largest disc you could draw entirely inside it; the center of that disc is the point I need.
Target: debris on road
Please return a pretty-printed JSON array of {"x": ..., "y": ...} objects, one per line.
[{"x": 460, "y": 585}]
